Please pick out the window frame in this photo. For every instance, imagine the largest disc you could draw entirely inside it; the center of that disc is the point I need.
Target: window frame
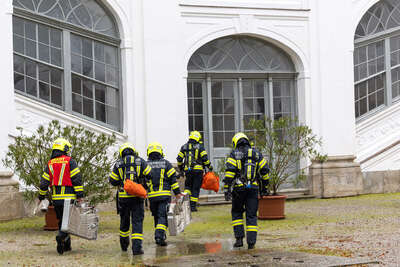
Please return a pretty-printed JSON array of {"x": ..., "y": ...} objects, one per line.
[{"x": 66, "y": 30}]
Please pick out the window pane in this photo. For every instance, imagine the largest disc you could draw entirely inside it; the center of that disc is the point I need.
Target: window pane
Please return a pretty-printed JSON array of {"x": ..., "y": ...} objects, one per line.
[
  {"x": 229, "y": 123},
  {"x": 56, "y": 77},
  {"x": 229, "y": 106},
  {"x": 19, "y": 64},
  {"x": 76, "y": 85},
  {"x": 259, "y": 89},
  {"x": 30, "y": 48},
  {"x": 30, "y": 30},
  {"x": 43, "y": 33},
  {"x": 55, "y": 37},
  {"x": 76, "y": 44},
  {"x": 218, "y": 123},
  {"x": 111, "y": 76},
  {"x": 44, "y": 52},
  {"x": 87, "y": 48},
  {"x": 380, "y": 97},
  {"x": 217, "y": 106},
  {"x": 19, "y": 82},
  {"x": 100, "y": 70},
  {"x": 99, "y": 52},
  {"x": 56, "y": 57},
  {"x": 198, "y": 123},
  {"x": 31, "y": 87},
  {"x": 248, "y": 107},
  {"x": 19, "y": 44},
  {"x": 44, "y": 91},
  {"x": 76, "y": 103},
  {"x": 44, "y": 73},
  {"x": 76, "y": 62},
  {"x": 56, "y": 95},
  {"x": 219, "y": 139},
  {"x": 30, "y": 68},
  {"x": 88, "y": 107},
  {"x": 87, "y": 69},
  {"x": 100, "y": 93},
  {"x": 372, "y": 102},
  {"x": 18, "y": 26},
  {"x": 363, "y": 106},
  {"x": 197, "y": 89},
  {"x": 100, "y": 112},
  {"x": 87, "y": 89},
  {"x": 216, "y": 89},
  {"x": 198, "y": 106},
  {"x": 110, "y": 55}
]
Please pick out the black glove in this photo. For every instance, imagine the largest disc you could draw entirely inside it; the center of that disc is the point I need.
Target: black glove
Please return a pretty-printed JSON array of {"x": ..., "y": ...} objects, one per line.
[
  {"x": 210, "y": 168},
  {"x": 228, "y": 195}
]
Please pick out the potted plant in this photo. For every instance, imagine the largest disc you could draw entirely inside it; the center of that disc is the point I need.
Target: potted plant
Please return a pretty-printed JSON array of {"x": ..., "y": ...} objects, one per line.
[
  {"x": 29, "y": 155},
  {"x": 285, "y": 143}
]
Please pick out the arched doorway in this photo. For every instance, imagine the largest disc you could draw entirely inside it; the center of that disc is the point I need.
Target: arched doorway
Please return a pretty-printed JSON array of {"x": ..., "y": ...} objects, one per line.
[{"x": 234, "y": 79}]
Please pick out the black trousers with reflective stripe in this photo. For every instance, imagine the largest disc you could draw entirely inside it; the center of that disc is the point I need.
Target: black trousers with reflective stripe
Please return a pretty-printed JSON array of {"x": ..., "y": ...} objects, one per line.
[
  {"x": 245, "y": 200},
  {"x": 132, "y": 209},
  {"x": 193, "y": 182},
  {"x": 158, "y": 208}
]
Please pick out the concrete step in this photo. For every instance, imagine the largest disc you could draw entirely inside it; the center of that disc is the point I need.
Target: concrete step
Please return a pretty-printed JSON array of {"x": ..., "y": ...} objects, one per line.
[{"x": 218, "y": 199}]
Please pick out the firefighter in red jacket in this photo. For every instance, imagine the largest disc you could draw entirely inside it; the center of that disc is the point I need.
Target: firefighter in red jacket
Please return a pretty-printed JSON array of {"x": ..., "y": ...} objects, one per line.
[{"x": 63, "y": 176}]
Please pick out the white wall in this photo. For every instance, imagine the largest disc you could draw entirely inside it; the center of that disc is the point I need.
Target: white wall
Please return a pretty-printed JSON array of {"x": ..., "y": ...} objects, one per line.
[{"x": 159, "y": 37}]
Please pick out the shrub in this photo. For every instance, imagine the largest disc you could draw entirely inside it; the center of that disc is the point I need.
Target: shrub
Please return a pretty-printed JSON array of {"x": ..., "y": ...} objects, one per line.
[{"x": 29, "y": 155}]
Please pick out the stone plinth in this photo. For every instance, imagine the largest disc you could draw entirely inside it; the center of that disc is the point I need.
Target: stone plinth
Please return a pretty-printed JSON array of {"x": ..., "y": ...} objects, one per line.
[
  {"x": 11, "y": 203},
  {"x": 337, "y": 177}
]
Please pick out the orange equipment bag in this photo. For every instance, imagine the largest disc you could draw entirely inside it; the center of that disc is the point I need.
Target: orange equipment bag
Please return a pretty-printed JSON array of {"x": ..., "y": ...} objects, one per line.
[
  {"x": 135, "y": 189},
  {"x": 210, "y": 182}
]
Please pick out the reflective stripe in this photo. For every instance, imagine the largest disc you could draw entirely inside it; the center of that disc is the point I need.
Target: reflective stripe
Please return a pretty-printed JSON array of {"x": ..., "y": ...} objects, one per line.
[
  {"x": 202, "y": 154},
  {"x": 114, "y": 176},
  {"x": 147, "y": 170},
  {"x": 137, "y": 236},
  {"x": 188, "y": 191},
  {"x": 132, "y": 169},
  {"x": 42, "y": 192},
  {"x": 78, "y": 188},
  {"x": 198, "y": 167},
  {"x": 46, "y": 176},
  {"x": 231, "y": 161},
  {"x": 170, "y": 172},
  {"x": 161, "y": 227},
  {"x": 194, "y": 199},
  {"x": 181, "y": 155},
  {"x": 124, "y": 234},
  {"x": 262, "y": 163},
  {"x": 75, "y": 172},
  {"x": 237, "y": 222},
  {"x": 161, "y": 187},
  {"x": 251, "y": 228},
  {"x": 229, "y": 174},
  {"x": 51, "y": 169},
  {"x": 207, "y": 162},
  {"x": 121, "y": 173},
  {"x": 175, "y": 186},
  {"x": 63, "y": 196},
  {"x": 226, "y": 186},
  {"x": 61, "y": 177},
  {"x": 159, "y": 193},
  {"x": 266, "y": 177},
  {"x": 125, "y": 195}
]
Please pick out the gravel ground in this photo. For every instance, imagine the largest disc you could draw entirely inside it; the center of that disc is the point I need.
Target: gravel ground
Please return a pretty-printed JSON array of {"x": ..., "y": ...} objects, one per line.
[{"x": 365, "y": 226}]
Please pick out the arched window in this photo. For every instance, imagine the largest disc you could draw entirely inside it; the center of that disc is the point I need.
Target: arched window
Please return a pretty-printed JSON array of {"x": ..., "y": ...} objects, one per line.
[
  {"x": 234, "y": 79},
  {"x": 66, "y": 54},
  {"x": 377, "y": 58}
]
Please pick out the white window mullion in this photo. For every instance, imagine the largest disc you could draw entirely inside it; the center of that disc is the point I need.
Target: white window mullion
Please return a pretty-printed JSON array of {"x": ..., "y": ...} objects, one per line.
[
  {"x": 67, "y": 71},
  {"x": 388, "y": 85}
]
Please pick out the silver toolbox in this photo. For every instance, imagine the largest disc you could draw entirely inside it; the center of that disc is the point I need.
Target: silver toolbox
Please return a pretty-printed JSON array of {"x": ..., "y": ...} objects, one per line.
[
  {"x": 179, "y": 215},
  {"x": 80, "y": 220}
]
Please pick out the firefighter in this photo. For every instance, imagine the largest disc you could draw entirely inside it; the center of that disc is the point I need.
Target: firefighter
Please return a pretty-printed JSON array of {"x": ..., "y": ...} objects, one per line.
[
  {"x": 163, "y": 180},
  {"x": 192, "y": 159},
  {"x": 246, "y": 172},
  {"x": 63, "y": 176},
  {"x": 130, "y": 207}
]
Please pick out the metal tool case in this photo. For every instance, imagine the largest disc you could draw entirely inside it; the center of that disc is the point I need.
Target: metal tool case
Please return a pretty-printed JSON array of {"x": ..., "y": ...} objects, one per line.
[{"x": 179, "y": 215}]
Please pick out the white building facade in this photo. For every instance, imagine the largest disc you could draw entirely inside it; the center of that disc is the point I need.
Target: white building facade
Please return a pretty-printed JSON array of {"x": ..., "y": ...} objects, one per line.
[{"x": 151, "y": 70}]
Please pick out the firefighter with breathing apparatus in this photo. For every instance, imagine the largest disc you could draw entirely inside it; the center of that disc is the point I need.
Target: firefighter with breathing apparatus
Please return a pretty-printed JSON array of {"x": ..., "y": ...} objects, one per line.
[
  {"x": 246, "y": 172},
  {"x": 163, "y": 180},
  {"x": 192, "y": 159},
  {"x": 130, "y": 174}
]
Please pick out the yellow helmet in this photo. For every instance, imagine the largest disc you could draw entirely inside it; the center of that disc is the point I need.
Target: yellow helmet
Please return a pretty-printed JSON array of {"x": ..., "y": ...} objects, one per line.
[
  {"x": 155, "y": 147},
  {"x": 237, "y": 137},
  {"x": 195, "y": 135},
  {"x": 127, "y": 146},
  {"x": 62, "y": 145}
]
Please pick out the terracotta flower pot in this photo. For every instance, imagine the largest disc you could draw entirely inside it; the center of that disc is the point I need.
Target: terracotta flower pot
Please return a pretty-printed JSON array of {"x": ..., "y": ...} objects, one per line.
[
  {"x": 271, "y": 207},
  {"x": 51, "y": 220}
]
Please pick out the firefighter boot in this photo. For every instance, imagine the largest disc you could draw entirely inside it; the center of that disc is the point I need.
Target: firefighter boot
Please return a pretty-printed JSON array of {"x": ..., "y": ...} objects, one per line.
[
  {"x": 138, "y": 252},
  {"x": 193, "y": 207},
  {"x": 67, "y": 244},
  {"x": 251, "y": 246},
  {"x": 161, "y": 242},
  {"x": 238, "y": 243},
  {"x": 124, "y": 242},
  {"x": 60, "y": 244}
]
